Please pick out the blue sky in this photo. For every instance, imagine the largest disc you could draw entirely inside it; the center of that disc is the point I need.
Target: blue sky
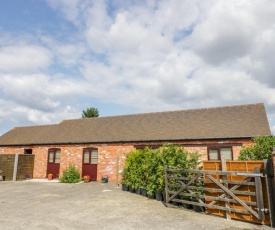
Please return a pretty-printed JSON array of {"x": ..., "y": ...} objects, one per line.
[{"x": 58, "y": 57}]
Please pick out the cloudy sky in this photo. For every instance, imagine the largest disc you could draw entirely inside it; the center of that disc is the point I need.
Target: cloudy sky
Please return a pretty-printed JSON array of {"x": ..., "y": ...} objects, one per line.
[{"x": 58, "y": 57}]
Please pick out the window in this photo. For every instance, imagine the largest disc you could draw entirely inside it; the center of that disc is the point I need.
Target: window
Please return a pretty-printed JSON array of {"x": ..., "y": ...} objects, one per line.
[
  {"x": 217, "y": 153},
  {"x": 54, "y": 156},
  {"x": 90, "y": 156},
  {"x": 28, "y": 151}
]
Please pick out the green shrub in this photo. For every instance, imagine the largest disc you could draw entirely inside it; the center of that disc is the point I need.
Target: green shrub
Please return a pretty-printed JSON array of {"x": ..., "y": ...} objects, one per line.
[
  {"x": 174, "y": 157},
  {"x": 145, "y": 168},
  {"x": 260, "y": 150},
  {"x": 70, "y": 175}
]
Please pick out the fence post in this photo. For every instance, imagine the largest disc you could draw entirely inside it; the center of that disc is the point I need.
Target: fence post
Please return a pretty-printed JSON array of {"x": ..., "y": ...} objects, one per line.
[
  {"x": 227, "y": 204},
  {"x": 259, "y": 195},
  {"x": 15, "y": 167},
  {"x": 117, "y": 170},
  {"x": 270, "y": 171}
]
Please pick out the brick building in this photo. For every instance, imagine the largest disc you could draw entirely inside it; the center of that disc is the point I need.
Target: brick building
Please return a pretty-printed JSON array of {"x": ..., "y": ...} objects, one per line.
[{"x": 93, "y": 144}]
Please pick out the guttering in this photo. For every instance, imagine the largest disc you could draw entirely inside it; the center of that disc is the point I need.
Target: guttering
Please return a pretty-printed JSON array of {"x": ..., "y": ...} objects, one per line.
[{"x": 123, "y": 142}]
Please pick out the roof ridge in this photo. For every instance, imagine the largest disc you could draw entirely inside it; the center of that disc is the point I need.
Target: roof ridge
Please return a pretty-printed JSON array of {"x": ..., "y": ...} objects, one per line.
[
  {"x": 31, "y": 126},
  {"x": 169, "y": 111}
]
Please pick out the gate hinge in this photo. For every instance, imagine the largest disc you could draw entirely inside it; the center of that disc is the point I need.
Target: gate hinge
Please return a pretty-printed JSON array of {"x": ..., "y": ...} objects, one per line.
[{"x": 265, "y": 210}]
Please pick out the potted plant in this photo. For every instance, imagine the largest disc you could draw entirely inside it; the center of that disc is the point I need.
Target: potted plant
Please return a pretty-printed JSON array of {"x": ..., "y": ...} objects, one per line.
[
  {"x": 160, "y": 182},
  {"x": 50, "y": 176},
  {"x": 86, "y": 178},
  {"x": 104, "y": 179},
  {"x": 28, "y": 176},
  {"x": 125, "y": 187}
]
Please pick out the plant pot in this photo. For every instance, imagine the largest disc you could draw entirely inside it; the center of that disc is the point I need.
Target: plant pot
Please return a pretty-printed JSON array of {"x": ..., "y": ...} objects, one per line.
[
  {"x": 104, "y": 180},
  {"x": 125, "y": 187},
  {"x": 143, "y": 192},
  {"x": 151, "y": 196},
  {"x": 164, "y": 196},
  {"x": 197, "y": 208},
  {"x": 175, "y": 202},
  {"x": 138, "y": 191},
  {"x": 187, "y": 206},
  {"x": 159, "y": 196},
  {"x": 50, "y": 177},
  {"x": 132, "y": 190}
]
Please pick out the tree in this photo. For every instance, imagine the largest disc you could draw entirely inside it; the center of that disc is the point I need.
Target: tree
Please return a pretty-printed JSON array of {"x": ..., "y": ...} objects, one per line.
[
  {"x": 90, "y": 112},
  {"x": 260, "y": 150}
]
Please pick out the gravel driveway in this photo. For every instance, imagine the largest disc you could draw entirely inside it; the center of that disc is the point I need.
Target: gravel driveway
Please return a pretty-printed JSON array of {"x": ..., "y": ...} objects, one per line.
[{"x": 36, "y": 205}]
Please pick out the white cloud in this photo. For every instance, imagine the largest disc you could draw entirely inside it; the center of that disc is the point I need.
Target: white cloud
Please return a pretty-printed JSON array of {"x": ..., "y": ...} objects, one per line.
[
  {"x": 70, "y": 9},
  {"x": 68, "y": 54},
  {"x": 39, "y": 92},
  {"x": 24, "y": 58},
  {"x": 227, "y": 33}
]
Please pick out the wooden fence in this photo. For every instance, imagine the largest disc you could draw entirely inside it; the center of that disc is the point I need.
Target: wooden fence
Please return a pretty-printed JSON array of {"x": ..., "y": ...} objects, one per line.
[
  {"x": 233, "y": 189},
  {"x": 24, "y": 165}
]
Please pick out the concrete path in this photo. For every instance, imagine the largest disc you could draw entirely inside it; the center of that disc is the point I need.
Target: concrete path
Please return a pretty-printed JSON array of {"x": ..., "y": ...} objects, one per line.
[{"x": 33, "y": 205}]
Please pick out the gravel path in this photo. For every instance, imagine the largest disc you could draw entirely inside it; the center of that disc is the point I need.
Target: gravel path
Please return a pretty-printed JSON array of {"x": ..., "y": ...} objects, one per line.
[{"x": 33, "y": 205}]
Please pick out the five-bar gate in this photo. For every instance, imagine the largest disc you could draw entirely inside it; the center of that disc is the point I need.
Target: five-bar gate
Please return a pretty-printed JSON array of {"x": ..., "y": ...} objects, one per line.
[{"x": 233, "y": 194}]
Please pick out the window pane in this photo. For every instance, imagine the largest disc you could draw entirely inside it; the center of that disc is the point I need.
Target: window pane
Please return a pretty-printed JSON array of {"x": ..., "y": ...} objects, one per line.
[
  {"x": 213, "y": 154},
  {"x": 86, "y": 157},
  {"x": 57, "y": 156},
  {"x": 51, "y": 154},
  {"x": 94, "y": 156},
  {"x": 226, "y": 153}
]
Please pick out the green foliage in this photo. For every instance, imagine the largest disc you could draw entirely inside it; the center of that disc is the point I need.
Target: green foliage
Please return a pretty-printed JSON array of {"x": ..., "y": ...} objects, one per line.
[
  {"x": 70, "y": 175},
  {"x": 145, "y": 168},
  {"x": 90, "y": 112},
  {"x": 134, "y": 172},
  {"x": 260, "y": 150}
]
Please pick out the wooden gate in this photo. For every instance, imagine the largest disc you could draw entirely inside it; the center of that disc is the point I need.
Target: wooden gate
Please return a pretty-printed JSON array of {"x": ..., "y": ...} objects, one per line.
[
  {"x": 235, "y": 194},
  {"x": 24, "y": 166}
]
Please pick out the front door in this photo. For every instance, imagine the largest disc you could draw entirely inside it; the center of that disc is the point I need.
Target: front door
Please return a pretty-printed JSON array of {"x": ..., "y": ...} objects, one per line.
[
  {"x": 89, "y": 166},
  {"x": 53, "y": 162}
]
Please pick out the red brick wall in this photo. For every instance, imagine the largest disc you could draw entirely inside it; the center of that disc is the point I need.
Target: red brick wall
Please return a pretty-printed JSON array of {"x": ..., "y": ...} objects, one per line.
[{"x": 108, "y": 153}]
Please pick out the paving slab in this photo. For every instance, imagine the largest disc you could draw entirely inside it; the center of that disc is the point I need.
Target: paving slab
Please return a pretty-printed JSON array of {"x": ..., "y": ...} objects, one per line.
[{"x": 50, "y": 205}]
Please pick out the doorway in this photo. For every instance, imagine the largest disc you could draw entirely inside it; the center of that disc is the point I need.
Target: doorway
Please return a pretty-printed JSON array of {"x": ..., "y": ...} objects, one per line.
[
  {"x": 54, "y": 162},
  {"x": 89, "y": 166}
]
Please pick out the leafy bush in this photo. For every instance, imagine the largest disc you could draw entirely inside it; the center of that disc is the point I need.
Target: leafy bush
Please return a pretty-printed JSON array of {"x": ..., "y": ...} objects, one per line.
[
  {"x": 175, "y": 157},
  {"x": 70, "y": 175},
  {"x": 260, "y": 150},
  {"x": 145, "y": 168}
]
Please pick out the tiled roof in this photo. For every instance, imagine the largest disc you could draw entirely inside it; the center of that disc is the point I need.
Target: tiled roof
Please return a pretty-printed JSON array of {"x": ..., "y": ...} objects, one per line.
[{"x": 220, "y": 122}]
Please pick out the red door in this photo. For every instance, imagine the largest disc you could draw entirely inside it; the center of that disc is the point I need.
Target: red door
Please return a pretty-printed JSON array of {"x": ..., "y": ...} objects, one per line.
[
  {"x": 89, "y": 166},
  {"x": 53, "y": 162}
]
